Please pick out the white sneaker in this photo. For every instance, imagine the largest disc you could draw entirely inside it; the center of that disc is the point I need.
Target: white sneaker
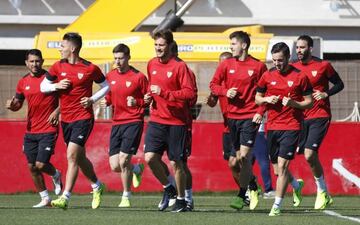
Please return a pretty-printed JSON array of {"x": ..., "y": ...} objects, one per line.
[
  {"x": 269, "y": 195},
  {"x": 43, "y": 203},
  {"x": 57, "y": 184}
]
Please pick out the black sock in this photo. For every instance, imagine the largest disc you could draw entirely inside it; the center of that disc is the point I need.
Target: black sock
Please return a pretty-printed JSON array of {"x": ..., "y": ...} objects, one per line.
[
  {"x": 242, "y": 193},
  {"x": 253, "y": 184}
]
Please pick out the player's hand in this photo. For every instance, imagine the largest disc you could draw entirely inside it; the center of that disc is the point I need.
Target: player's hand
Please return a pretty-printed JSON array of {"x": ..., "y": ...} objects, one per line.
[
  {"x": 231, "y": 93},
  {"x": 272, "y": 99},
  {"x": 257, "y": 118},
  {"x": 211, "y": 100},
  {"x": 54, "y": 117},
  {"x": 287, "y": 101},
  {"x": 131, "y": 101},
  {"x": 63, "y": 84},
  {"x": 147, "y": 98},
  {"x": 103, "y": 103},
  {"x": 10, "y": 103},
  {"x": 155, "y": 89},
  {"x": 86, "y": 102},
  {"x": 318, "y": 95},
  {"x": 13, "y": 104}
]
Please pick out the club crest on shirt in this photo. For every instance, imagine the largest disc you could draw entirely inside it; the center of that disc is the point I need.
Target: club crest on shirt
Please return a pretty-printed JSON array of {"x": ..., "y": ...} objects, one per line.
[
  {"x": 290, "y": 83},
  {"x": 113, "y": 82},
  {"x": 27, "y": 87},
  {"x": 314, "y": 73},
  {"x": 250, "y": 72},
  {"x": 63, "y": 74},
  {"x": 169, "y": 74},
  {"x": 80, "y": 76},
  {"x": 154, "y": 72},
  {"x": 273, "y": 83},
  {"x": 128, "y": 83},
  {"x": 232, "y": 71}
]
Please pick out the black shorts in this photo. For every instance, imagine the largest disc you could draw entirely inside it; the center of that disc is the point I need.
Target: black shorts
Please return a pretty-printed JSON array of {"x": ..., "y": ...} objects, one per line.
[
  {"x": 228, "y": 148},
  {"x": 39, "y": 147},
  {"x": 78, "y": 131},
  {"x": 170, "y": 138},
  {"x": 282, "y": 143},
  {"x": 243, "y": 132},
  {"x": 312, "y": 133},
  {"x": 125, "y": 138}
]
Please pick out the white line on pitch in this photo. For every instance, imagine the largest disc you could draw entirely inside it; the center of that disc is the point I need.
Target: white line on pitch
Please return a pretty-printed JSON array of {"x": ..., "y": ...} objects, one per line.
[{"x": 332, "y": 213}]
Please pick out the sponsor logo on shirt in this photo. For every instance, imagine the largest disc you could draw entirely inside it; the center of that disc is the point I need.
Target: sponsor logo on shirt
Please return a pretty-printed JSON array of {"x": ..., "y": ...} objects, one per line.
[
  {"x": 314, "y": 73},
  {"x": 250, "y": 72},
  {"x": 290, "y": 83},
  {"x": 80, "y": 76},
  {"x": 154, "y": 72},
  {"x": 27, "y": 87},
  {"x": 232, "y": 71},
  {"x": 273, "y": 82},
  {"x": 169, "y": 74},
  {"x": 128, "y": 83},
  {"x": 63, "y": 74},
  {"x": 113, "y": 82}
]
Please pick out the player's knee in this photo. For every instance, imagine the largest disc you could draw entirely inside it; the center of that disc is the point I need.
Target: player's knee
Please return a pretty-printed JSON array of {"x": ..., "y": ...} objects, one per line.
[
  {"x": 39, "y": 165},
  {"x": 310, "y": 156},
  {"x": 32, "y": 168},
  {"x": 232, "y": 163},
  {"x": 150, "y": 158}
]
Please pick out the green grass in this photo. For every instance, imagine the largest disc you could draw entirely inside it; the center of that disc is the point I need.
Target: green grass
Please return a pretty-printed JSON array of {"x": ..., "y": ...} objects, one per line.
[{"x": 210, "y": 209}]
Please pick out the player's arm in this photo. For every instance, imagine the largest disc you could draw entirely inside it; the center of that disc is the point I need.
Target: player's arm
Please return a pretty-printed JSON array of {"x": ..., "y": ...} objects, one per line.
[
  {"x": 54, "y": 117},
  {"x": 307, "y": 101},
  {"x": 15, "y": 103},
  {"x": 216, "y": 86},
  {"x": 211, "y": 100},
  {"x": 338, "y": 85},
  {"x": 186, "y": 91},
  {"x": 48, "y": 85},
  {"x": 88, "y": 101}
]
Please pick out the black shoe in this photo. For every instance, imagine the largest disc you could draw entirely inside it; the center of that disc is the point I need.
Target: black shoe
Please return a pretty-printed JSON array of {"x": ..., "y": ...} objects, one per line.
[
  {"x": 169, "y": 193},
  {"x": 180, "y": 206},
  {"x": 190, "y": 205}
]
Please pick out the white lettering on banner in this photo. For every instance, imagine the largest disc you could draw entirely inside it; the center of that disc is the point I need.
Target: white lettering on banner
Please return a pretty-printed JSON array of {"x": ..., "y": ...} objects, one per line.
[
  {"x": 214, "y": 48},
  {"x": 100, "y": 43},
  {"x": 338, "y": 166}
]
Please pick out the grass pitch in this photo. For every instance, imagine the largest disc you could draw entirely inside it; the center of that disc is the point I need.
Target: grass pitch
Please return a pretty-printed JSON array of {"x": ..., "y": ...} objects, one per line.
[{"x": 210, "y": 208}]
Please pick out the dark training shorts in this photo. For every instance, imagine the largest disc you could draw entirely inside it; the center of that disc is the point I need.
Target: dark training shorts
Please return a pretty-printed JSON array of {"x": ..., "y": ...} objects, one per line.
[
  {"x": 243, "y": 132},
  {"x": 39, "y": 147},
  {"x": 77, "y": 132},
  {"x": 312, "y": 133},
  {"x": 170, "y": 138},
  {"x": 282, "y": 143},
  {"x": 125, "y": 138}
]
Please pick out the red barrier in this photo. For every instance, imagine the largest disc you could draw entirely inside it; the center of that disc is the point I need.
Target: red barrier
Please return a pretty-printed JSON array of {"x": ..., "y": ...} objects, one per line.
[{"x": 210, "y": 172}]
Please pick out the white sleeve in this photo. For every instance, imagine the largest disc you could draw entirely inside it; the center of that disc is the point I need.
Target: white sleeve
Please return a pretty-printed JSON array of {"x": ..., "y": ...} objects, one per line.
[
  {"x": 102, "y": 92},
  {"x": 47, "y": 86}
]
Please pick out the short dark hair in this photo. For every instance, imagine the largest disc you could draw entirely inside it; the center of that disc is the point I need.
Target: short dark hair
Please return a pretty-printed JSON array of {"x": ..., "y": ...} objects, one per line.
[
  {"x": 241, "y": 36},
  {"x": 33, "y": 51},
  {"x": 281, "y": 47},
  {"x": 174, "y": 48},
  {"x": 74, "y": 38},
  {"x": 308, "y": 39},
  {"x": 122, "y": 48},
  {"x": 225, "y": 55},
  {"x": 165, "y": 34}
]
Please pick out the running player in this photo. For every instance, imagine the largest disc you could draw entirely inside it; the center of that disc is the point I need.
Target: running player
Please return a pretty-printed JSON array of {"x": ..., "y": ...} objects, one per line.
[
  {"x": 236, "y": 79},
  {"x": 127, "y": 89},
  {"x": 42, "y": 125},
  {"x": 286, "y": 92},
  {"x": 73, "y": 77},
  {"x": 316, "y": 119}
]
